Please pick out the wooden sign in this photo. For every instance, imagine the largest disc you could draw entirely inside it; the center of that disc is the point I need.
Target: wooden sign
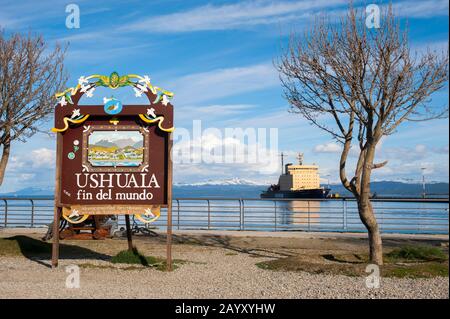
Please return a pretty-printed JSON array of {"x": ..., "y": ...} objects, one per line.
[{"x": 113, "y": 158}]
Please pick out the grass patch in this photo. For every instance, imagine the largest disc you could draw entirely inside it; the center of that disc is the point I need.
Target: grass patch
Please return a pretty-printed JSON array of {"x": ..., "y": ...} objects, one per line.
[
  {"x": 416, "y": 253},
  {"x": 421, "y": 270},
  {"x": 403, "y": 262},
  {"x": 29, "y": 247},
  {"x": 297, "y": 264},
  {"x": 21, "y": 245},
  {"x": 136, "y": 258},
  {"x": 92, "y": 266}
]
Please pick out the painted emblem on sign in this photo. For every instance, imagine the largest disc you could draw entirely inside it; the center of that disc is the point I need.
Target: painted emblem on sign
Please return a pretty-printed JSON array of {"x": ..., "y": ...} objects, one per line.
[
  {"x": 112, "y": 106},
  {"x": 150, "y": 214},
  {"x": 74, "y": 216},
  {"x": 71, "y": 155}
]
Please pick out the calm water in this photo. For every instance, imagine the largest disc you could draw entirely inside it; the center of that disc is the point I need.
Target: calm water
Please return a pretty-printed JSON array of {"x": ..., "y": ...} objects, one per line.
[{"x": 393, "y": 217}]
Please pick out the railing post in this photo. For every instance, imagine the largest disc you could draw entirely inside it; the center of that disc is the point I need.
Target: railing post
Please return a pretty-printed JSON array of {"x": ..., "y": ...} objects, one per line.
[
  {"x": 178, "y": 214},
  {"x": 6, "y": 213},
  {"x": 309, "y": 217},
  {"x": 243, "y": 215},
  {"x": 344, "y": 214},
  {"x": 209, "y": 214},
  {"x": 32, "y": 213},
  {"x": 240, "y": 214},
  {"x": 275, "y": 203},
  {"x": 419, "y": 221}
]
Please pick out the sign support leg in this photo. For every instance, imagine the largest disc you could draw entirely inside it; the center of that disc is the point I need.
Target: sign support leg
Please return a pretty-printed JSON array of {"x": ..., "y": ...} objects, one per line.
[
  {"x": 169, "y": 206},
  {"x": 55, "y": 244},
  {"x": 169, "y": 238},
  {"x": 129, "y": 238},
  {"x": 58, "y": 209}
]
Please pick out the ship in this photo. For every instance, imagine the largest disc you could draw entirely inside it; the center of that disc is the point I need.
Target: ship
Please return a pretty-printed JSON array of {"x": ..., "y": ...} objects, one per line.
[{"x": 297, "y": 181}]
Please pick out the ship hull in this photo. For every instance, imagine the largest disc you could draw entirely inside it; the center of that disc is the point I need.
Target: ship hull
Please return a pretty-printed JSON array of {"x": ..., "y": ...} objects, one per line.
[{"x": 308, "y": 193}]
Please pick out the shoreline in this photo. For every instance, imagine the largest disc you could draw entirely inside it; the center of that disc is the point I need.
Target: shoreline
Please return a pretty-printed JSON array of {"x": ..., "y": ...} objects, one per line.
[{"x": 256, "y": 233}]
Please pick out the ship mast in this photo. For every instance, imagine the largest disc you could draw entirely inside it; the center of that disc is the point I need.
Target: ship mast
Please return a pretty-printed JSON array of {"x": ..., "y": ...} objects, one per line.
[
  {"x": 282, "y": 155},
  {"x": 300, "y": 158}
]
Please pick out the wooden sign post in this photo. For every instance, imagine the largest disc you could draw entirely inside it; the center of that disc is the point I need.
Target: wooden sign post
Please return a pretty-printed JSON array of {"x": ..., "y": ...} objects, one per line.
[{"x": 113, "y": 159}]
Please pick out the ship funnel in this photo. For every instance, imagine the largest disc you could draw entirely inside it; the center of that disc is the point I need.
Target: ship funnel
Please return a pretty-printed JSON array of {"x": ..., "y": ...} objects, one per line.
[{"x": 286, "y": 168}]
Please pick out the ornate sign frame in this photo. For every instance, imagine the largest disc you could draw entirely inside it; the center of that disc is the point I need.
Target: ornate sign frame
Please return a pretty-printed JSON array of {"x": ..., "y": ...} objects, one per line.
[{"x": 127, "y": 177}]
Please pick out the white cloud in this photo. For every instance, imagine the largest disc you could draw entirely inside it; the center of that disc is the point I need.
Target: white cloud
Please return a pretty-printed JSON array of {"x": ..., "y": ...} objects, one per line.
[
  {"x": 26, "y": 176},
  {"x": 91, "y": 56},
  {"x": 421, "y": 9},
  {"x": 42, "y": 157},
  {"x": 29, "y": 168},
  {"x": 412, "y": 171},
  {"x": 442, "y": 150},
  {"x": 328, "y": 148},
  {"x": 420, "y": 148},
  {"x": 15, "y": 163},
  {"x": 214, "y": 154},
  {"x": 219, "y": 83},
  {"x": 406, "y": 162},
  {"x": 211, "y": 112},
  {"x": 79, "y": 36},
  {"x": 424, "y": 46},
  {"x": 231, "y": 16},
  {"x": 251, "y": 13},
  {"x": 38, "y": 158},
  {"x": 409, "y": 154}
]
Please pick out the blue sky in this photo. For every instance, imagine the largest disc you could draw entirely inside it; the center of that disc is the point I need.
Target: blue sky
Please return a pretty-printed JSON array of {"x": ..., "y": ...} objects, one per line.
[{"x": 217, "y": 57}]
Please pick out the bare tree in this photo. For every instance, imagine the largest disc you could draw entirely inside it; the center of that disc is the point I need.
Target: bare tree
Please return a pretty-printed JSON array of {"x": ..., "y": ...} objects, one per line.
[
  {"x": 29, "y": 78},
  {"x": 360, "y": 84}
]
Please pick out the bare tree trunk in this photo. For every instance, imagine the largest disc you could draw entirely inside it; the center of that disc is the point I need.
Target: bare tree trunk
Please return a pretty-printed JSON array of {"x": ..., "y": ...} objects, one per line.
[
  {"x": 4, "y": 160},
  {"x": 368, "y": 218},
  {"x": 366, "y": 210}
]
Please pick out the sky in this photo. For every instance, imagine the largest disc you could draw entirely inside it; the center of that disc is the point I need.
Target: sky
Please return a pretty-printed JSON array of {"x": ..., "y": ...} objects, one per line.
[{"x": 218, "y": 59}]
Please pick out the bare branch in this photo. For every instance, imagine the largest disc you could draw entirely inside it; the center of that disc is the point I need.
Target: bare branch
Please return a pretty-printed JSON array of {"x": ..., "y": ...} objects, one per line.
[
  {"x": 29, "y": 78},
  {"x": 361, "y": 84},
  {"x": 379, "y": 165}
]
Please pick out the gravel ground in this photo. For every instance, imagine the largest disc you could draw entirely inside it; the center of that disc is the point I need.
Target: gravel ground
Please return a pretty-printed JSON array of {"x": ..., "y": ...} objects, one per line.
[{"x": 211, "y": 272}]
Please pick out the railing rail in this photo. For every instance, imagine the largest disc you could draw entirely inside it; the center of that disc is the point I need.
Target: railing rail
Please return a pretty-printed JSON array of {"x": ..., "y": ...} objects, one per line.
[{"x": 394, "y": 215}]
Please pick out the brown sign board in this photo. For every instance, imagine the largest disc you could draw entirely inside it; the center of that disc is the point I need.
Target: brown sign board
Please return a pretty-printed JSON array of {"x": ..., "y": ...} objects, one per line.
[{"x": 113, "y": 158}]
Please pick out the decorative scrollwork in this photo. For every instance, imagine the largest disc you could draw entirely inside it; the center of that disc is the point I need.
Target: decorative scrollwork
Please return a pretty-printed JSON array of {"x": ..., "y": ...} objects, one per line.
[{"x": 140, "y": 84}]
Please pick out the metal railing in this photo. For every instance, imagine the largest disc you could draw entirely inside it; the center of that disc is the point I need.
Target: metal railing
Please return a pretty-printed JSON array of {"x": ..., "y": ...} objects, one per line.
[{"x": 428, "y": 216}]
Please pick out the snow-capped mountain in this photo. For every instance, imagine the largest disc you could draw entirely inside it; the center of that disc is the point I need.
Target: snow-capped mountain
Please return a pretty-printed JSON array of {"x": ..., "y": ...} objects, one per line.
[
  {"x": 33, "y": 191},
  {"x": 223, "y": 182},
  {"x": 237, "y": 187}
]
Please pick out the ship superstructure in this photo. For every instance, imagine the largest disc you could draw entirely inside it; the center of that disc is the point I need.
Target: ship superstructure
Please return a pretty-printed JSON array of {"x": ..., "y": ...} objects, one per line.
[{"x": 297, "y": 181}]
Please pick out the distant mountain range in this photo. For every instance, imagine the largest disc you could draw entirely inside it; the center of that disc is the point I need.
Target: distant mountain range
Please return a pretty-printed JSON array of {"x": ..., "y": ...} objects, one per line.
[
  {"x": 32, "y": 191},
  {"x": 104, "y": 143},
  {"x": 120, "y": 143},
  {"x": 249, "y": 189},
  {"x": 232, "y": 181},
  {"x": 390, "y": 188}
]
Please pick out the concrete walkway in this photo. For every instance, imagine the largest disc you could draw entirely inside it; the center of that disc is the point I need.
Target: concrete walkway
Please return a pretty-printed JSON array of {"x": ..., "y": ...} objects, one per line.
[{"x": 249, "y": 233}]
